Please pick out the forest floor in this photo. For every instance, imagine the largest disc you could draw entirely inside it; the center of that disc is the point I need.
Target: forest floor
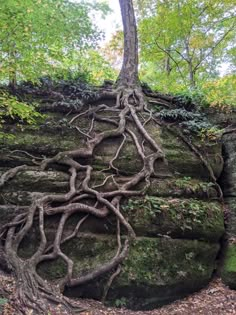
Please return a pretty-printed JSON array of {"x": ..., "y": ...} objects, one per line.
[{"x": 215, "y": 299}]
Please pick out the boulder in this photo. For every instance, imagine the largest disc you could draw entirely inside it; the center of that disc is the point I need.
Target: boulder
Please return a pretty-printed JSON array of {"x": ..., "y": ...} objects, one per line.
[{"x": 157, "y": 270}]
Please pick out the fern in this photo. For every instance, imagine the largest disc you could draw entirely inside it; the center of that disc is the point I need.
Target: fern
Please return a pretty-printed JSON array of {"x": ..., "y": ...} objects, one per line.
[
  {"x": 193, "y": 121},
  {"x": 178, "y": 114}
]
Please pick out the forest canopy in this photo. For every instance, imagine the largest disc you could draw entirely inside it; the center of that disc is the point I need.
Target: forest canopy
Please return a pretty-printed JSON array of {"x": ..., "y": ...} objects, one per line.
[
  {"x": 46, "y": 37},
  {"x": 184, "y": 47}
]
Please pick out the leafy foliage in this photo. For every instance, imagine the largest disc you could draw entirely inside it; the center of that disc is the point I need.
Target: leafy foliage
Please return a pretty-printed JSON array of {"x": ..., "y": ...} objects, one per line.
[
  {"x": 77, "y": 92},
  {"x": 221, "y": 93},
  {"x": 40, "y": 36},
  {"x": 96, "y": 68},
  {"x": 190, "y": 99},
  {"x": 195, "y": 122},
  {"x": 3, "y": 301},
  {"x": 199, "y": 126},
  {"x": 68, "y": 94},
  {"x": 11, "y": 107},
  {"x": 186, "y": 212},
  {"x": 178, "y": 114},
  {"x": 182, "y": 43},
  {"x": 187, "y": 183}
]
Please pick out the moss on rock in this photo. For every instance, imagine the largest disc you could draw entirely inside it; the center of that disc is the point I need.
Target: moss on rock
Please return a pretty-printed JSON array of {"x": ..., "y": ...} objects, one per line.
[
  {"x": 37, "y": 180},
  {"x": 182, "y": 160},
  {"x": 156, "y": 271},
  {"x": 159, "y": 268},
  {"x": 179, "y": 218},
  {"x": 51, "y": 138},
  {"x": 228, "y": 271}
]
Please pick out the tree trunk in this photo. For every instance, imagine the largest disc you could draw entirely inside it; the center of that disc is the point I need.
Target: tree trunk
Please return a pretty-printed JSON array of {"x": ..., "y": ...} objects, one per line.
[
  {"x": 12, "y": 68},
  {"x": 191, "y": 76},
  {"x": 190, "y": 66},
  {"x": 12, "y": 81},
  {"x": 167, "y": 63},
  {"x": 128, "y": 76}
]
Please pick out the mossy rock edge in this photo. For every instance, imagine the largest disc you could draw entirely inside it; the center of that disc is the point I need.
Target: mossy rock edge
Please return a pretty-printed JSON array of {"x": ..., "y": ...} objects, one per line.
[
  {"x": 228, "y": 272},
  {"x": 157, "y": 270}
]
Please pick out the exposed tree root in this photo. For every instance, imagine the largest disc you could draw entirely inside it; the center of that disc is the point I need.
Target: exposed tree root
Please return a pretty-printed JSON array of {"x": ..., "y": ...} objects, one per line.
[
  {"x": 35, "y": 293},
  {"x": 228, "y": 131}
]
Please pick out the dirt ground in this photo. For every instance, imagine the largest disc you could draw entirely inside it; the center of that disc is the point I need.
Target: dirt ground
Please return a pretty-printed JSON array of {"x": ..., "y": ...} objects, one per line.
[{"x": 215, "y": 299}]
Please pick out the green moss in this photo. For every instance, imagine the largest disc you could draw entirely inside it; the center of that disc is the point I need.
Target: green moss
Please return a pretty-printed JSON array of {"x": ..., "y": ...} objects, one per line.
[
  {"x": 41, "y": 142},
  {"x": 180, "y": 187},
  {"x": 36, "y": 180},
  {"x": 188, "y": 218},
  {"x": 229, "y": 266},
  {"x": 231, "y": 259},
  {"x": 53, "y": 270},
  {"x": 167, "y": 261},
  {"x": 150, "y": 261},
  {"x": 89, "y": 252},
  {"x": 191, "y": 165},
  {"x": 155, "y": 269}
]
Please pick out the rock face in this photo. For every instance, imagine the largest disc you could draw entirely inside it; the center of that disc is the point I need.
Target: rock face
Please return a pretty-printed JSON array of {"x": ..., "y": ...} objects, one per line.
[
  {"x": 178, "y": 223},
  {"x": 228, "y": 182}
]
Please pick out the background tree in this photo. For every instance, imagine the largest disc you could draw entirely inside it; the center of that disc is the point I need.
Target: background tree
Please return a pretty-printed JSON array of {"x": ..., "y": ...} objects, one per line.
[
  {"x": 187, "y": 40},
  {"x": 39, "y": 37}
]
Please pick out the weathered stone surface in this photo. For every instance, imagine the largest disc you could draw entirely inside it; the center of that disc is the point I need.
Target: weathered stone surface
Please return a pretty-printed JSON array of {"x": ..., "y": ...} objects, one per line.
[
  {"x": 228, "y": 272},
  {"x": 151, "y": 216},
  {"x": 38, "y": 142},
  {"x": 177, "y": 225},
  {"x": 165, "y": 217},
  {"x": 231, "y": 216},
  {"x": 49, "y": 141},
  {"x": 228, "y": 178},
  {"x": 156, "y": 271},
  {"x": 228, "y": 183},
  {"x": 182, "y": 160},
  {"x": 36, "y": 180},
  {"x": 178, "y": 218},
  {"x": 19, "y": 198}
]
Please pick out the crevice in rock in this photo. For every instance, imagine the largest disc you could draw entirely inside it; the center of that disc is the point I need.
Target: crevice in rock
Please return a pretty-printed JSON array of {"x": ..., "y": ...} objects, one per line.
[{"x": 227, "y": 181}]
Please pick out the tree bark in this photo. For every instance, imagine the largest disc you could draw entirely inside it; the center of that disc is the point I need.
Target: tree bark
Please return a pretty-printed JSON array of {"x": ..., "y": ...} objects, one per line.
[
  {"x": 167, "y": 63},
  {"x": 190, "y": 66},
  {"x": 128, "y": 76}
]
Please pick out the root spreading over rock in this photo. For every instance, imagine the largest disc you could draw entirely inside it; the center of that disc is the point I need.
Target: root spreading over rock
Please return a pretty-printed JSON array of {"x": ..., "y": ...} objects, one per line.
[{"x": 32, "y": 291}]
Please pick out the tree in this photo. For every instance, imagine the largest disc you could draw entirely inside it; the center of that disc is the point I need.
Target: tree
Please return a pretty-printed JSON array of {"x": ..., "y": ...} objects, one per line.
[
  {"x": 39, "y": 36},
  {"x": 33, "y": 292},
  {"x": 129, "y": 72},
  {"x": 187, "y": 40}
]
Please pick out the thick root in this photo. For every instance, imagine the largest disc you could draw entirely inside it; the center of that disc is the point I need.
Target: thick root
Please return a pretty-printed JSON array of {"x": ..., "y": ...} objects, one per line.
[{"x": 33, "y": 293}]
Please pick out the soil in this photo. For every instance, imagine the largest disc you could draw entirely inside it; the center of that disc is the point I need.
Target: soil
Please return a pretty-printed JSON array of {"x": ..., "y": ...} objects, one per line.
[{"x": 215, "y": 299}]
